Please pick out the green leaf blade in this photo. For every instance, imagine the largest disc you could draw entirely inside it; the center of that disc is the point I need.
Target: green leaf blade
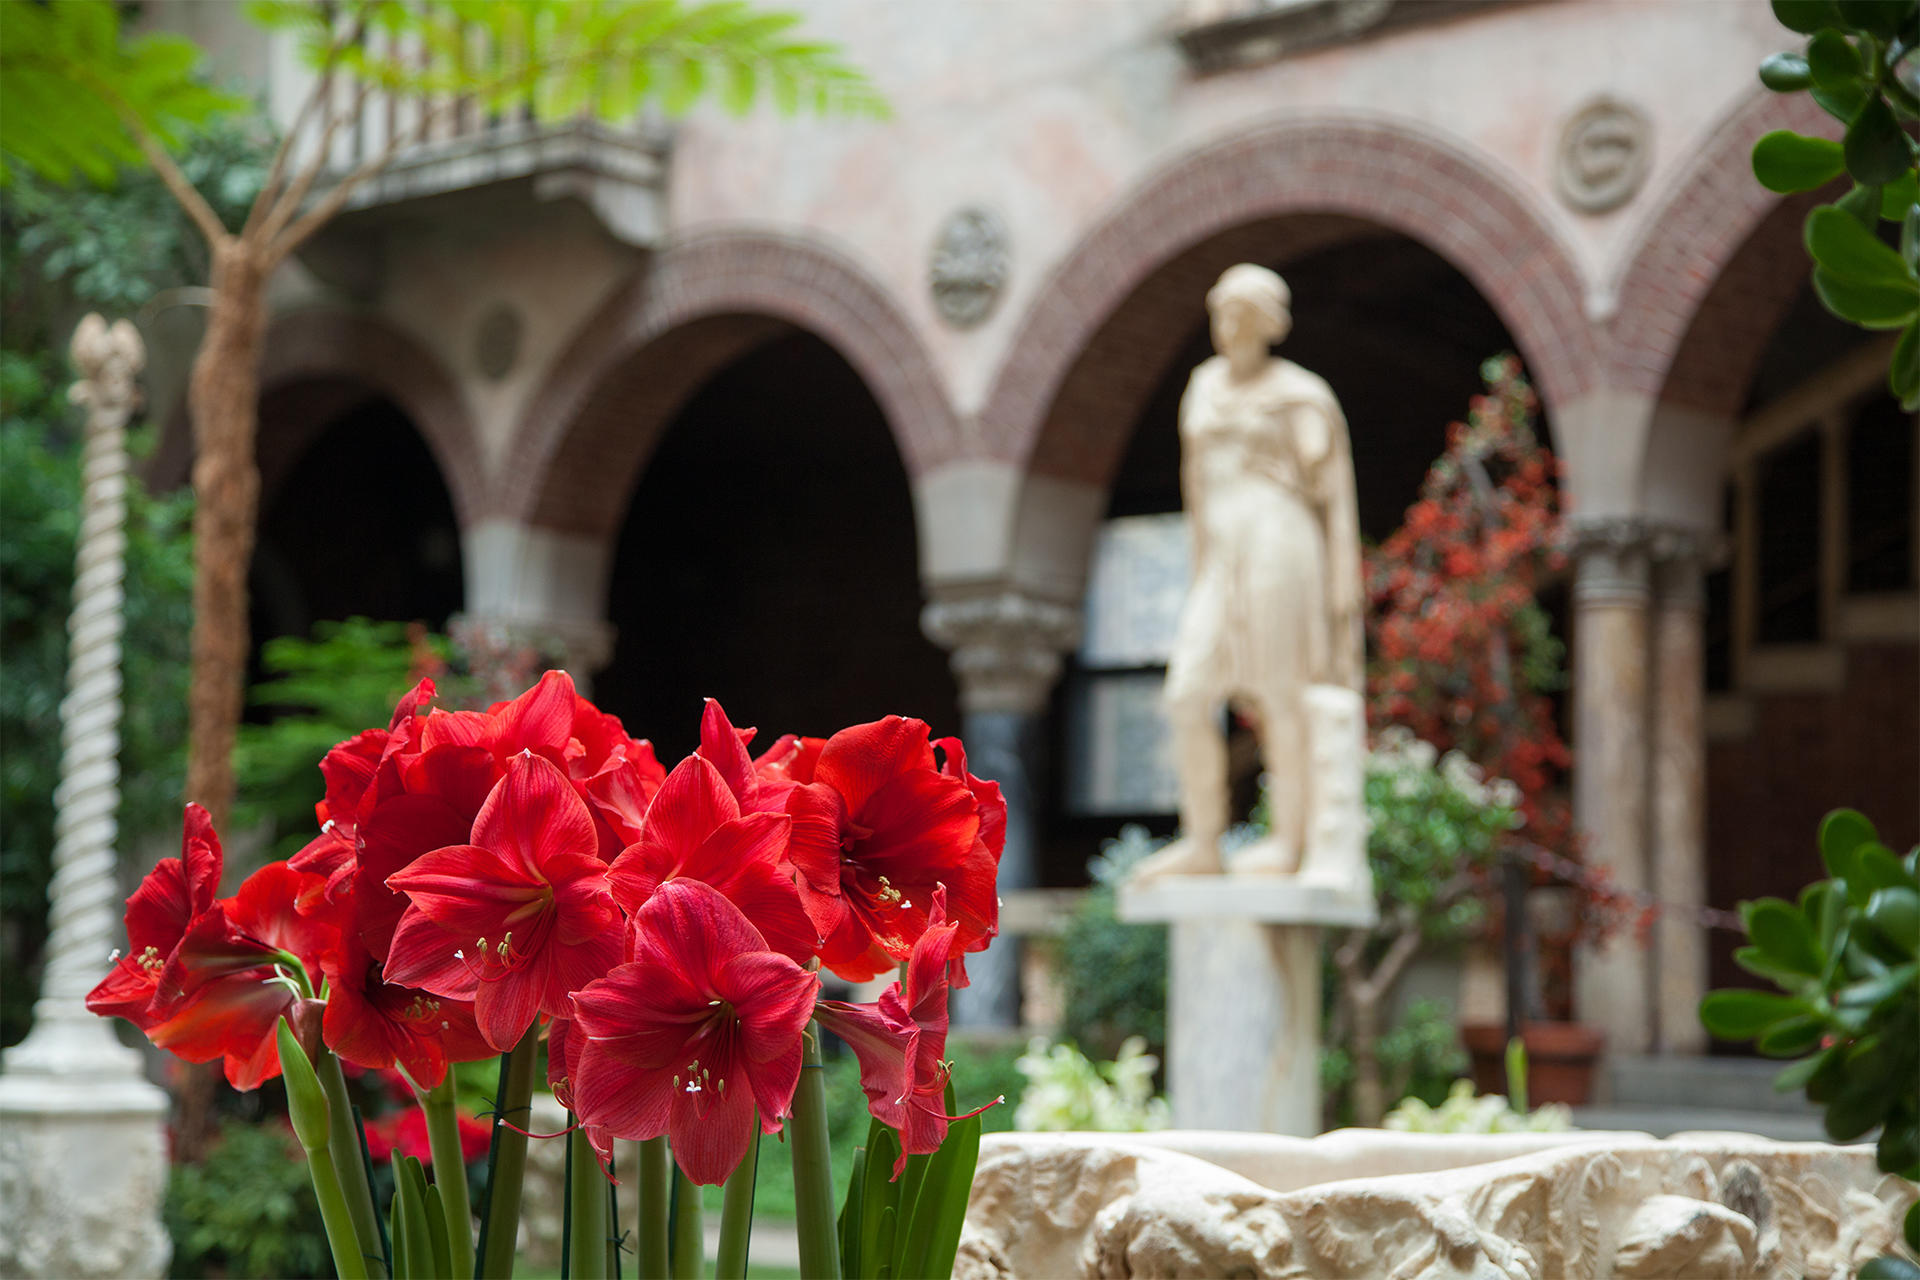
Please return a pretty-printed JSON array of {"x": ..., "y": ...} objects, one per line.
[{"x": 1786, "y": 162}]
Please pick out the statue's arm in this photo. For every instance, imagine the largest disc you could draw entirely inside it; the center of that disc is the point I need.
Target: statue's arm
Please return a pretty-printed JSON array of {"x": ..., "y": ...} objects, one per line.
[{"x": 1193, "y": 495}]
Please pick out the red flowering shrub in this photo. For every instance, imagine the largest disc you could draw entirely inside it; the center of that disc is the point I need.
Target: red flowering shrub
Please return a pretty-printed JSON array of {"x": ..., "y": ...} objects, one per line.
[{"x": 1461, "y": 652}]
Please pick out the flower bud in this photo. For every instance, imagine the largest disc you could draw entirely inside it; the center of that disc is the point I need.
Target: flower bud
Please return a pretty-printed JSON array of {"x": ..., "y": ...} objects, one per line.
[{"x": 306, "y": 1101}]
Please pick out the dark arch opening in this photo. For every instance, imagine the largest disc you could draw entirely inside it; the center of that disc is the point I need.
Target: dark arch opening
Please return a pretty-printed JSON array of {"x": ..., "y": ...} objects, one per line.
[
  {"x": 354, "y": 516},
  {"x": 768, "y": 559},
  {"x": 1398, "y": 333}
]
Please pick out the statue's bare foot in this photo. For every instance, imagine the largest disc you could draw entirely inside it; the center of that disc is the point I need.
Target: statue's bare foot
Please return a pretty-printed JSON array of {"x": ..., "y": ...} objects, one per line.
[
  {"x": 1268, "y": 856},
  {"x": 1184, "y": 857}
]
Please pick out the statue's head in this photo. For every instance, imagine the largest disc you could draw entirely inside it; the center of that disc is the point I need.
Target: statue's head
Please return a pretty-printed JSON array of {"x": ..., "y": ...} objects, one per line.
[{"x": 1249, "y": 306}]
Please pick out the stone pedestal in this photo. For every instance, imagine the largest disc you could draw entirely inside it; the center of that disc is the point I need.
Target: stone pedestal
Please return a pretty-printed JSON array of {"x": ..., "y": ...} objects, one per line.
[
  {"x": 1243, "y": 994},
  {"x": 83, "y": 1159}
]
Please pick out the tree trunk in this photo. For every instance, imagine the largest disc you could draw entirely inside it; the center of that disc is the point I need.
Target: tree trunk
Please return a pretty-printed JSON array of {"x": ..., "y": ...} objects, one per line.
[
  {"x": 1369, "y": 1099},
  {"x": 223, "y": 398}
]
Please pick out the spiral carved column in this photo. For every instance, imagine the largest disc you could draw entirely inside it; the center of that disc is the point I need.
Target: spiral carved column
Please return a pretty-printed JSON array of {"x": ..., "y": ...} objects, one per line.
[{"x": 82, "y": 1148}]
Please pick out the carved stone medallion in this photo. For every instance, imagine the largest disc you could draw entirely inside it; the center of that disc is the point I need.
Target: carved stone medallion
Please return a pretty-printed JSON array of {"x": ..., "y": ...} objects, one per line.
[
  {"x": 1604, "y": 153},
  {"x": 969, "y": 267}
]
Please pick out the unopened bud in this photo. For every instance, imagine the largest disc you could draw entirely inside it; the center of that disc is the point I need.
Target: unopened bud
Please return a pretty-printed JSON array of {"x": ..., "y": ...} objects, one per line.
[{"x": 306, "y": 1100}]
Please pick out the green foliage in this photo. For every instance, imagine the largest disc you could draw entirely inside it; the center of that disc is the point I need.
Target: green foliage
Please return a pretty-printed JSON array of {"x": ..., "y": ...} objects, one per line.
[
  {"x": 1846, "y": 958},
  {"x": 1859, "y": 66},
  {"x": 909, "y": 1225},
  {"x": 325, "y": 689},
  {"x": 39, "y": 521},
  {"x": 70, "y": 87},
  {"x": 979, "y": 1073},
  {"x": 76, "y": 93},
  {"x": 562, "y": 58},
  {"x": 247, "y": 1210},
  {"x": 1114, "y": 974},
  {"x": 1462, "y": 1112},
  {"x": 84, "y": 248},
  {"x": 64, "y": 252},
  {"x": 1433, "y": 819},
  {"x": 1420, "y": 1057},
  {"x": 1067, "y": 1092}
]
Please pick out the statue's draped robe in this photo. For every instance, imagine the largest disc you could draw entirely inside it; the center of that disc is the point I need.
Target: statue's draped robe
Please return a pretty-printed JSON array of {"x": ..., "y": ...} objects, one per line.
[{"x": 1275, "y": 599}]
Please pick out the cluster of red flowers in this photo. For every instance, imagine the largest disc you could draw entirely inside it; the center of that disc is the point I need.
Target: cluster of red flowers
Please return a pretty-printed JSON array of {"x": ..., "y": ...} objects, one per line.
[
  {"x": 1454, "y": 588},
  {"x": 480, "y": 876}
]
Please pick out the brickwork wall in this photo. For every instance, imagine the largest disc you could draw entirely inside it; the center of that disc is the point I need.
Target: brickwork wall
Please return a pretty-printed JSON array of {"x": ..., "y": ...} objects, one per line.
[
  {"x": 1808, "y": 753},
  {"x": 702, "y": 302},
  {"x": 1111, "y": 314}
]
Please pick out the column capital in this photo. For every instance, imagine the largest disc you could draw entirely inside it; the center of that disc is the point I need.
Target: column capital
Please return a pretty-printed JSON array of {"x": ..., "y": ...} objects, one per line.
[
  {"x": 1611, "y": 559},
  {"x": 509, "y": 653},
  {"x": 1006, "y": 646}
]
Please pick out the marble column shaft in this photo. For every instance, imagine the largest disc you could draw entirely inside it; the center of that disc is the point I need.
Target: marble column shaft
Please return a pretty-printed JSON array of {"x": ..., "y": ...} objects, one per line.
[
  {"x": 1678, "y": 785},
  {"x": 1612, "y": 987},
  {"x": 1006, "y": 654}
]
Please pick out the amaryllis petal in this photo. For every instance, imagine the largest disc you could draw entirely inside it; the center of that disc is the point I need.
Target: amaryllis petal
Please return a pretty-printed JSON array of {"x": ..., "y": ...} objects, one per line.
[
  {"x": 519, "y": 918},
  {"x": 859, "y": 761},
  {"x": 702, "y": 1027},
  {"x": 534, "y": 811}
]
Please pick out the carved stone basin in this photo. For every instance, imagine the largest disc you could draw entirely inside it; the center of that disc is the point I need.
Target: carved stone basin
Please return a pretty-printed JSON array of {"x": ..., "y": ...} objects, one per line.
[{"x": 1580, "y": 1205}]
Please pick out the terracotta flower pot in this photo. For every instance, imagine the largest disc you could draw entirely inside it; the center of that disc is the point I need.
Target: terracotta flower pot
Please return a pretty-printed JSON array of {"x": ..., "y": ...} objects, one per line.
[{"x": 1561, "y": 1057}]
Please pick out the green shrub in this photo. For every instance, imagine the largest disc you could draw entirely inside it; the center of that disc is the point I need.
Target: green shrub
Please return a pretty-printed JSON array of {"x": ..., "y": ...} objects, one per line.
[
  {"x": 1846, "y": 958},
  {"x": 1114, "y": 975},
  {"x": 323, "y": 689},
  {"x": 248, "y": 1209}
]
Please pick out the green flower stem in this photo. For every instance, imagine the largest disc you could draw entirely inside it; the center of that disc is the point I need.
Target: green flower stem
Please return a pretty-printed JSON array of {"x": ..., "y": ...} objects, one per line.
[
  {"x": 501, "y": 1228},
  {"x": 348, "y": 1258},
  {"x": 450, "y": 1172},
  {"x": 813, "y": 1167},
  {"x": 689, "y": 1236},
  {"x": 736, "y": 1213},
  {"x": 655, "y": 1177},
  {"x": 343, "y": 1140},
  {"x": 587, "y": 1211}
]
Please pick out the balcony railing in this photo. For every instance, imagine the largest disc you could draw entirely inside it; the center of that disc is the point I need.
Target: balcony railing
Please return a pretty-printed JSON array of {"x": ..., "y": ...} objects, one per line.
[{"x": 453, "y": 143}]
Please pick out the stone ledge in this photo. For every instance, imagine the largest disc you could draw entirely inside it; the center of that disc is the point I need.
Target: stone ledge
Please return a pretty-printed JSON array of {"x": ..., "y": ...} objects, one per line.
[{"x": 1260, "y": 899}]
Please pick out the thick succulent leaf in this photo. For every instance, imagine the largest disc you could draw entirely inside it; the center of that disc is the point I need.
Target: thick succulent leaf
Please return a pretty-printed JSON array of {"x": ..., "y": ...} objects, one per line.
[{"x": 1786, "y": 162}]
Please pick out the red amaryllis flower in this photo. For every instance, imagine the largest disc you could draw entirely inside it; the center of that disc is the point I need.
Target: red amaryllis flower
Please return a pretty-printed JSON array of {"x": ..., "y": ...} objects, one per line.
[
  {"x": 359, "y": 772},
  {"x": 519, "y": 918},
  {"x": 900, "y": 1040},
  {"x": 551, "y": 719},
  {"x": 159, "y": 913},
  {"x": 373, "y": 1023},
  {"x": 405, "y": 1132},
  {"x": 229, "y": 981},
  {"x": 563, "y": 1049},
  {"x": 901, "y": 826},
  {"x": 701, "y": 1029},
  {"x": 695, "y": 830}
]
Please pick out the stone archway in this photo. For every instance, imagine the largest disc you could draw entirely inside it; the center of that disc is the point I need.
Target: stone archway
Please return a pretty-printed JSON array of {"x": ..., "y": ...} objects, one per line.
[
  {"x": 702, "y": 303},
  {"x": 1119, "y": 308},
  {"x": 342, "y": 355},
  {"x": 1099, "y": 325}
]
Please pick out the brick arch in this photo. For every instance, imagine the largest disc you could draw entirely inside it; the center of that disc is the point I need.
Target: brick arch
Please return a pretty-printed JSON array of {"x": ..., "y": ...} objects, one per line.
[
  {"x": 1708, "y": 281},
  {"x": 336, "y": 358},
  {"x": 700, "y": 303},
  {"x": 1098, "y": 335}
]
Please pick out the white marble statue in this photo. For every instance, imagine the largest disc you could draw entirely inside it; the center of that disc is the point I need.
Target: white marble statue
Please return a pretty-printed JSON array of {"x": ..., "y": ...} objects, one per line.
[{"x": 1272, "y": 619}]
